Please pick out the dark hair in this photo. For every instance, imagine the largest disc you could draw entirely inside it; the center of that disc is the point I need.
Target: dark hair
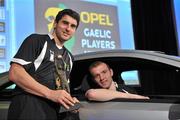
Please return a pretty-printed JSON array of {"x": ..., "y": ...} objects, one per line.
[{"x": 69, "y": 12}]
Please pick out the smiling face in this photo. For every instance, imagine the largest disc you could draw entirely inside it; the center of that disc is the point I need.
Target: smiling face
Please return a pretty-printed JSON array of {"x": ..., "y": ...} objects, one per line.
[
  {"x": 64, "y": 29},
  {"x": 102, "y": 75}
]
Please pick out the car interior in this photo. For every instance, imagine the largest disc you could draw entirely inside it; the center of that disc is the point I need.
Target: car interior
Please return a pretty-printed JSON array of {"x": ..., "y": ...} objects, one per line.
[{"x": 154, "y": 78}]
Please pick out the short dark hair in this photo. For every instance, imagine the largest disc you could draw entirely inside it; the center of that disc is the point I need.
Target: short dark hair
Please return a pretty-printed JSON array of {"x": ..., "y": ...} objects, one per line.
[
  {"x": 69, "y": 12},
  {"x": 97, "y": 63}
]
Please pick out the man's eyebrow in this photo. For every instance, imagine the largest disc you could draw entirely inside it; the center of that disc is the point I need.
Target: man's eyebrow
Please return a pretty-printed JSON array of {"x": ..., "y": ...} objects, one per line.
[{"x": 67, "y": 22}]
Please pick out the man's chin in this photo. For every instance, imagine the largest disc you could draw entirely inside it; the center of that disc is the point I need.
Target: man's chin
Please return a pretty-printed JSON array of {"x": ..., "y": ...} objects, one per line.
[
  {"x": 67, "y": 38},
  {"x": 105, "y": 87}
]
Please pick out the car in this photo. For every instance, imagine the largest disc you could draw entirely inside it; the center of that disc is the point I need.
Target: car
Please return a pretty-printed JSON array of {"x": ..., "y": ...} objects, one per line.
[{"x": 149, "y": 73}]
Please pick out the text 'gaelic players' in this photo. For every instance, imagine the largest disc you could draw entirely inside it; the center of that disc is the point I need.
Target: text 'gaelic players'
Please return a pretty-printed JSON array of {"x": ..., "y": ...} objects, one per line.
[{"x": 103, "y": 44}]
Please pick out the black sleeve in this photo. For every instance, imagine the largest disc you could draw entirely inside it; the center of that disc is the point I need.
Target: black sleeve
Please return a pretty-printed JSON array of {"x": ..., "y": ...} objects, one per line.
[{"x": 28, "y": 51}]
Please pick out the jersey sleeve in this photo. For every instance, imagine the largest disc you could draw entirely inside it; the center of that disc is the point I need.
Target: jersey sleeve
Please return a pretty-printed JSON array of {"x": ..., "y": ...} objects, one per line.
[{"x": 28, "y": 51}]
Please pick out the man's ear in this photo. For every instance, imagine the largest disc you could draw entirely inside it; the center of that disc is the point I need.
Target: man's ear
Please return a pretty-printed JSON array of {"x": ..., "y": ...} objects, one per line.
[
  {"x": 111, "y": 71},
  {"x": 54, "y": 25}
]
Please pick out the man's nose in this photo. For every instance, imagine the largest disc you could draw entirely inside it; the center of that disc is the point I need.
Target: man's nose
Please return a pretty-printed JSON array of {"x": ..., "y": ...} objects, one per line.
[
  {"x": 68, "y": 28},
  {"x": 101, "y": 76}
]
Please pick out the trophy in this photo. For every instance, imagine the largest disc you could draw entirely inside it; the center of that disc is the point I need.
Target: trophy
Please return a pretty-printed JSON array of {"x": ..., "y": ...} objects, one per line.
[
  {"x": 61, "y": 79},
  {"x": 62, "y": 83}
]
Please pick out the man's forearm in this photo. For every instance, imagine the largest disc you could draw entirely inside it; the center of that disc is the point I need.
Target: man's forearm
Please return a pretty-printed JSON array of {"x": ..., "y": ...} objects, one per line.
[
  {"x": 102, "y": 94},
  {"x": 18, "y": 75},
  {"x": 106, "y": 94}
]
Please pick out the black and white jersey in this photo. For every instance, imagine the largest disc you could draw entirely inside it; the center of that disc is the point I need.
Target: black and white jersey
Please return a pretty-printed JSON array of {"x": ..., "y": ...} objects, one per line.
[{"x": 37, "y": 55}]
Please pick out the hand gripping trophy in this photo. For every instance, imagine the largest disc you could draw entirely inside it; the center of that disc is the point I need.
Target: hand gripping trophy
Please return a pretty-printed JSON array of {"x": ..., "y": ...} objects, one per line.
[{"x": 62, "y": 82}]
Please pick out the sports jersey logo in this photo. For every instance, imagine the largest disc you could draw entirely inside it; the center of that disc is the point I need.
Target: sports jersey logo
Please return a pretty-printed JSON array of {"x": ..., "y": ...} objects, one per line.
[{"x": 51, "y": 56}]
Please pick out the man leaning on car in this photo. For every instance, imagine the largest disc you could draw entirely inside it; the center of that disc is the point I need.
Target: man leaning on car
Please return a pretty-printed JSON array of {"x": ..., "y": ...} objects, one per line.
[{"x": 107, "y": 89}]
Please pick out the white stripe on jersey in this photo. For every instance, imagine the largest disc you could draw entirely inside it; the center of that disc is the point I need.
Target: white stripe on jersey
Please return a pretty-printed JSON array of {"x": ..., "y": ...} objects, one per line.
[
  {"x": 71, "y": 63},
  {"x": 40, "y": 58},
  {"x": 20, "y": 61}
]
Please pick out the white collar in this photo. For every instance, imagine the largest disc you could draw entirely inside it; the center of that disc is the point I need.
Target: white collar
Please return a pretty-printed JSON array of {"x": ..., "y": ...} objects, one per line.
[{"x": 52, "y": 37}]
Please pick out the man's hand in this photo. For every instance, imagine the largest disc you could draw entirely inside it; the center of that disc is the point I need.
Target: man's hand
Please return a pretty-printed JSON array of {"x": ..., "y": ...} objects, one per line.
[
  {"x": 135, "y": 96},
  {"x": 62, "y": 97}
]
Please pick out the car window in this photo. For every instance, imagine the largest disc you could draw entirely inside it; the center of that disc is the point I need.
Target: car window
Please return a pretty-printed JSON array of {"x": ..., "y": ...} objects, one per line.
[
  {"x": 130, "y": 77},
  {"x": 11, "y": 86},
  {"x": 152, "y": 80}
]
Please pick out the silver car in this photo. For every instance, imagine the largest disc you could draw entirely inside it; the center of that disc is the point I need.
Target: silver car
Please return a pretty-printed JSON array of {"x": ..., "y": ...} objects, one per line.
[{"x": 149, "y": 73}]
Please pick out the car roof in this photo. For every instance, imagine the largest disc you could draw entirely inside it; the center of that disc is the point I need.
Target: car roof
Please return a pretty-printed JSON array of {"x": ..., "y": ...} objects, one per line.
[{"x": 143, "y": 54}]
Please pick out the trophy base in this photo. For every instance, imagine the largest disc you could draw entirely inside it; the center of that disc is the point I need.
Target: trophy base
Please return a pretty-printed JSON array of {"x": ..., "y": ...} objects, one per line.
[{"x": 75, "y": 107}]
